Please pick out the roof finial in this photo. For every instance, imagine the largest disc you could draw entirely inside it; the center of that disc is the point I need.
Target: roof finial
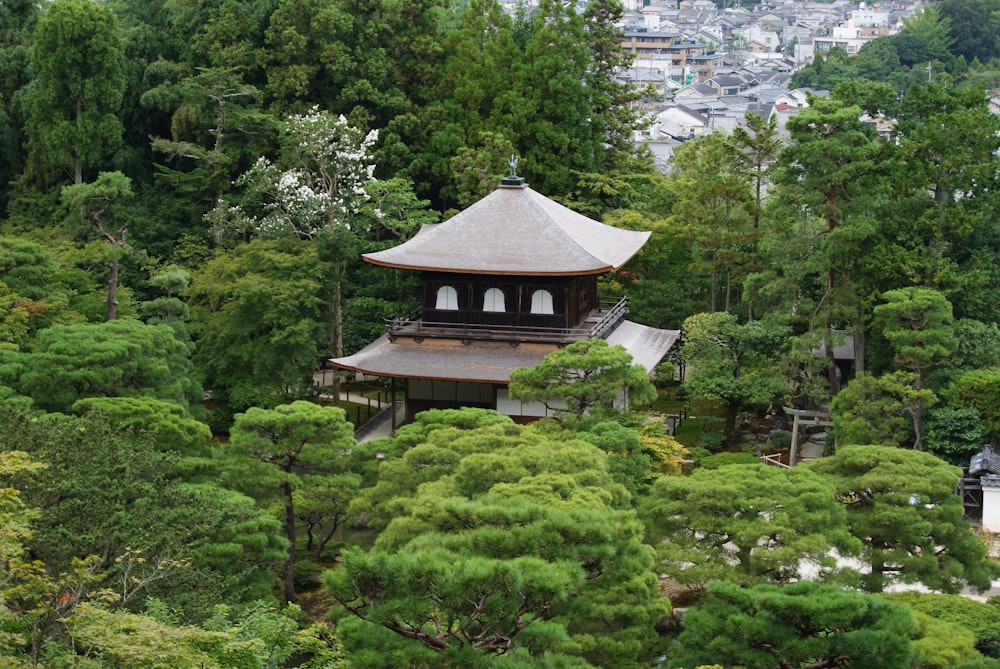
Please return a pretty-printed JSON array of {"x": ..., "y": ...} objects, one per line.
[{"x": 512, "y": 181}]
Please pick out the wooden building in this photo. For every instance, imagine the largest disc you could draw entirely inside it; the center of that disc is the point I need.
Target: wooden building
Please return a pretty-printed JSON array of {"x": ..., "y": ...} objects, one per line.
[{"x": 505, "y": 282}]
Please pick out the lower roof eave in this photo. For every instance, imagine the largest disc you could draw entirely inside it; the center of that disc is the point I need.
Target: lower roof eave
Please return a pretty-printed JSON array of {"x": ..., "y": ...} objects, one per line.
[
  {"x": 392, "y": 375},
  {"x": 444, "y": 359},
  {"x": 488, "y": 361}
]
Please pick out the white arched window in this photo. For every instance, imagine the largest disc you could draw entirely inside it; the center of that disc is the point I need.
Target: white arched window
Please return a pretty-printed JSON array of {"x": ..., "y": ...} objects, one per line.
[
  {"x": 493, "y": 300},
  {"x": 541, "y": 302},
  {"x": 447, "y": 298}
]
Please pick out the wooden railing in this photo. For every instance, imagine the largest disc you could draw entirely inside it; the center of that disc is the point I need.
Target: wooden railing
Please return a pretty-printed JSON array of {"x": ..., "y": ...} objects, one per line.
[{"x": 610, "y": 317}]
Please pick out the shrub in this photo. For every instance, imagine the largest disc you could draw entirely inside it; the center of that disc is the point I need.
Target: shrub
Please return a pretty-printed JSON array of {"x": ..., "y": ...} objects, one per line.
[
  {"x": 955, "y": 433},
  {"x": 723, "y": 459}
]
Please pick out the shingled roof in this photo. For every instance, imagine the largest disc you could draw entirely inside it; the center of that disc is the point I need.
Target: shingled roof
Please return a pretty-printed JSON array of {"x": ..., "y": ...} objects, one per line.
[{"x": 515, "y": 231}]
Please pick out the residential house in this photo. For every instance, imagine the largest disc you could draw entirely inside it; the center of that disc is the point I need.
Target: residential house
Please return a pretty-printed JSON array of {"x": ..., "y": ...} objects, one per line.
[
  {"x": 695, "y": 92},
  {"x": 798, "y": 98},
  {"x": 704, "y": 67},
  {"x": 698, "y": 5},
  {"x": 644, "y": 42},
  {"x": 731, "y": 83},
  {"x": 679, "y": 122}
]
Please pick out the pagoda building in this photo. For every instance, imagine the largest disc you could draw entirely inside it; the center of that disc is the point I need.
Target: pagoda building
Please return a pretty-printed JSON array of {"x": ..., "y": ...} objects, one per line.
[{"x": 505, "y": 282}]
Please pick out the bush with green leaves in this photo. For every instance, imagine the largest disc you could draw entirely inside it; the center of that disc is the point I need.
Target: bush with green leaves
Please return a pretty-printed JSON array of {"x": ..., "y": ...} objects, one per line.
[
  {"x": 723, "y": 459},
  {"x": 978, "y": 389},
  {"x": 955, "y": 433},
  {"x": 798, "y": 625},
  {"x": 982, "y": 619}
]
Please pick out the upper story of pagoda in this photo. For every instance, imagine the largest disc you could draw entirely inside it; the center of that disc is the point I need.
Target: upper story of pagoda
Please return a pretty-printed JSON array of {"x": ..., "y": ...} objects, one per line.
[{"x": 514, "y": 266}]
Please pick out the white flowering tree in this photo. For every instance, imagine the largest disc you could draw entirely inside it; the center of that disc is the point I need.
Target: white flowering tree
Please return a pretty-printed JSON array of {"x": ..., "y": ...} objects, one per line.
[
  {"x": 322, "y": 187},
  {"x": 314, "y": 192}
]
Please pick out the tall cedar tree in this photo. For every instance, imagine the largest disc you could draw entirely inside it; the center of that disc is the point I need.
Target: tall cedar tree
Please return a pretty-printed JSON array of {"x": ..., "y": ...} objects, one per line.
[{"x": 77, "y": 56}]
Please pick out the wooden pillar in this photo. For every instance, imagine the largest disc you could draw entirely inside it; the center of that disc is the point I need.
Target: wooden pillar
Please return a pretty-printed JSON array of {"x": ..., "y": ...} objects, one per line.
[
  {"x": 392, "y": 404},
  {"x": 793, "y": 453}
]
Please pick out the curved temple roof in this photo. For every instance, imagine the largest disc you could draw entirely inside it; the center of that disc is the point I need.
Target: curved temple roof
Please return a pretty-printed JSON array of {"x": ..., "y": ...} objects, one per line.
[{"x": 515, "y": 230}]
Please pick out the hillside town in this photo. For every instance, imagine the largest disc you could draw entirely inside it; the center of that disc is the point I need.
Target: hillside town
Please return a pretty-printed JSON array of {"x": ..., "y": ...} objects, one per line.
[{"x": 706, "y": 65}]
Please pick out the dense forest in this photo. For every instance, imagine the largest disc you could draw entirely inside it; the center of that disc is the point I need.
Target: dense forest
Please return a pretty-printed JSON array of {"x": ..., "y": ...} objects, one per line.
[{"x": 186, "y": 187}]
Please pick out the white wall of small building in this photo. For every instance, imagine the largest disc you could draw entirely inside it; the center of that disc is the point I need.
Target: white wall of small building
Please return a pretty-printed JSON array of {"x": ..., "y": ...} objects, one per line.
[{"x": 991, "y": 504}]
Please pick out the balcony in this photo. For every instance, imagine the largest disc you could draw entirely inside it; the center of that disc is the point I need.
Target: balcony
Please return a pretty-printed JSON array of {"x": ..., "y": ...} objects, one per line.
[{"x": 597, "y": 324}]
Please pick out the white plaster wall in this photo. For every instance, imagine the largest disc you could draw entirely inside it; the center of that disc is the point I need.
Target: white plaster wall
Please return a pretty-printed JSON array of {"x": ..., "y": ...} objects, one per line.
[{"x": 991, "y": 509}]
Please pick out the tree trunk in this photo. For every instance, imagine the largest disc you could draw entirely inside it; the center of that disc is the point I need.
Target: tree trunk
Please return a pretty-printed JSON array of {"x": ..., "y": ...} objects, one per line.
[
  {"x": 337, "y": 328},
  {"x": 715, "y": 280},
  {"x": 729, "y": 290},
  {"x": 732, "y": 409},
  {"x": 289, "y": 575},
  {"x": 875, "y": 580},
  {"x": 918, "y": 412},
  {"x": 77, "y": 162},
  {"x": 918, "y": 427},
  {"x": 113, "y": 289}
]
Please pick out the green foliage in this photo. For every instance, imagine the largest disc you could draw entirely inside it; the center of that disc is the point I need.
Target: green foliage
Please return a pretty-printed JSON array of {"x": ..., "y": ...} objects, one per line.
[
  {"x": 277, "y": 636},
  {"x": 92, "y": 202},
  {"x": 902, "y": 505},
  {"x": 259, "y": 319},
  {"x": 259, "y": 637},
  {"x": 166, "y": 423},
  {"x": 879, "y": 410},
  {"x": 745, "y": 524},
  {"x": 917, "y": 323},
  {"x": 826, "y": 71},
  {"x": 793, "y": 626},
  {"x": 978, "y": 389},
  {"x": 978, "y": 344},
  {"x": 664, "y": 260},
  {"x": 664, "y": 452},
  {"x": 732, "y": 363},
  {"x": 981, "y": 619},
  {"x": 26, "y": 266},
  {"x": 628, "y": 461},
  {"x": 939, "y": 644},
  {"x": 295, "y": 448},
  {"x": 130, "y": 640},
  {"x": 973, "y": 27},
  {"x": 215, "y": 115},
  {"x": 536, "y": 506},
  {"x": 826, "y": 184},
  {"x": 15, "y": 517},
  {"x": 941, "y": 187},
  {"x": 931, "y": 27},
  {"x": 109, "y": 492},
  {"x": 589, "y": 376},
  {"x": 714, "y": 209},
  {"x": 114, "y": 359},
  {"x": 955, "y": 434},
  {"x": 473, "y": 602},
  {"x": 725, "y": 459},
  {"x": 77, "y": 55}
]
